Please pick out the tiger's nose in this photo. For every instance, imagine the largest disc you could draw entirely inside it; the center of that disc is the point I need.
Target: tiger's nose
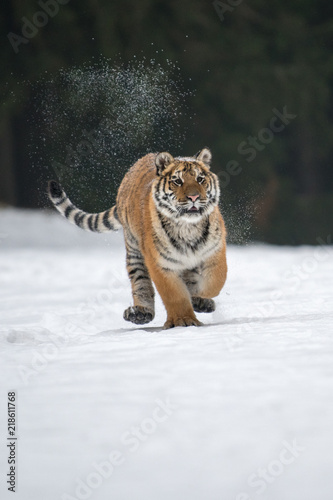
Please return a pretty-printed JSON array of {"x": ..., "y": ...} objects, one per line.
[{"x": 193, "y": 197}]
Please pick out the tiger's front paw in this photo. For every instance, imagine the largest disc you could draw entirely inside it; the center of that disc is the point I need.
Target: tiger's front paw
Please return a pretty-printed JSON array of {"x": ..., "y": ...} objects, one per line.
[
  {"x": 203, "y": 305},
  {"x": 182, "y": 321},
  {"x": 139, "y": 315}
]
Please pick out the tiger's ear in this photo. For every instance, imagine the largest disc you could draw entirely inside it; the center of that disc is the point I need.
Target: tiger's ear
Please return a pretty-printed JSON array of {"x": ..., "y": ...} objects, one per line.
[
  {"x": 205, "y": 156},
  {"x": 162, "y": 160}
]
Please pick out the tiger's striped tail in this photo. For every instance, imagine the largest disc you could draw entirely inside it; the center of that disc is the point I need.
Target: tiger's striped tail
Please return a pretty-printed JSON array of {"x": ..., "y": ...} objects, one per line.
[{"x": 101, "y": 222}]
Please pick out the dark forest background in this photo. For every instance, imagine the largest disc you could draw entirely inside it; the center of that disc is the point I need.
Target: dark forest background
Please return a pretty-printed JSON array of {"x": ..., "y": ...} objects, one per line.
[{"x": 246, "y": 62}]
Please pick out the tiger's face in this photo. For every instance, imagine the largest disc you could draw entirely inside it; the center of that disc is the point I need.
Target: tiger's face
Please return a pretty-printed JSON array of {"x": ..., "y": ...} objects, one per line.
[{"x": 185, "y": 188}]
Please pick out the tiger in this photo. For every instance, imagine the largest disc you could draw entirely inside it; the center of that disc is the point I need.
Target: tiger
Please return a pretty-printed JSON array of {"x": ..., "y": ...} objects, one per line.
[{"x": 175, "y": 235}]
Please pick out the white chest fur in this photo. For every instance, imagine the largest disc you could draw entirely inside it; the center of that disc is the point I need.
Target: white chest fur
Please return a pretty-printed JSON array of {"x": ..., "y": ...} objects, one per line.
[{"x": 184, "y": 245}]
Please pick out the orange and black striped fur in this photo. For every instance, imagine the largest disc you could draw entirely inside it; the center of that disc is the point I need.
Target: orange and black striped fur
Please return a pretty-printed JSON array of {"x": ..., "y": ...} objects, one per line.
[{"x": 174, "y": 234}]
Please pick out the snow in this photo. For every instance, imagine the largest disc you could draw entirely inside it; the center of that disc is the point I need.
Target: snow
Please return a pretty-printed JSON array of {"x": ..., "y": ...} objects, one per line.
[{"x": 239, "y": 409}]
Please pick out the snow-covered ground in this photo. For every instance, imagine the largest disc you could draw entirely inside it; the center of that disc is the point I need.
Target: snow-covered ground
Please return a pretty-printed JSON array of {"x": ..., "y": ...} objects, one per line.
[{"x": 240, "y": 409}]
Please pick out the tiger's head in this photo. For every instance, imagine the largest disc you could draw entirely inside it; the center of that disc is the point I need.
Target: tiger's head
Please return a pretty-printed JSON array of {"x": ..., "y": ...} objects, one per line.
[{"x": 185, "y": 188}]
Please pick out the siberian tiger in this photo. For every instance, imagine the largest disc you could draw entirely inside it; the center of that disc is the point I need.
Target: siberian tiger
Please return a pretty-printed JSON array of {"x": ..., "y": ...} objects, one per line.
[{"x": 174, "y": 234}]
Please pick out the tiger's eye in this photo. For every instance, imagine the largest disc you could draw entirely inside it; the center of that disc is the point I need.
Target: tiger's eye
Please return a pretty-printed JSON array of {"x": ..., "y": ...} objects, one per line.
[
  {"x": 200, "y": 179},
  {"x": 178, "y": 182}
]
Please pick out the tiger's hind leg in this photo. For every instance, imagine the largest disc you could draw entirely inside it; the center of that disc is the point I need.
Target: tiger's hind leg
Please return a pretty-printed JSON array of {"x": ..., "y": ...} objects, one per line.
[
  {"x": 202, "y": 305},
  {"x": 206, "y": 281},
  {"x": 143, "y": 293},
  {"x": 193, "y": 279}
]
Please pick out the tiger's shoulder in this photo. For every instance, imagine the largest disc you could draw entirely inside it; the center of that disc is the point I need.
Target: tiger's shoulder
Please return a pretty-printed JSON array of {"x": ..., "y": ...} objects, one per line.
[{"x": 137, "y": 182}]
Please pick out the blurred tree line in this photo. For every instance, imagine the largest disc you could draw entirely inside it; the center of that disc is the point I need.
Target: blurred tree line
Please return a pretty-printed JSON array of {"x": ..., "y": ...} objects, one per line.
[{"x": 263, "y": 79}]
